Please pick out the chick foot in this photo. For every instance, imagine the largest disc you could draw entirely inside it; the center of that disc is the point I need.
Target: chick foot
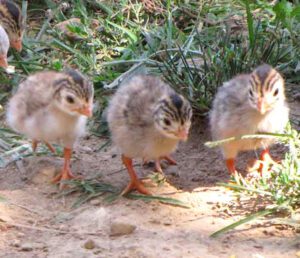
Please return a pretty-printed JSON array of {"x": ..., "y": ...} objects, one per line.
[
  {"x": 264, "y": 164},
  {"x": 66, "y": 173},
  {"x": 135, "y": 183},
  {"x": 158, "y": 165},
  {"x": 35, "y": 143}
]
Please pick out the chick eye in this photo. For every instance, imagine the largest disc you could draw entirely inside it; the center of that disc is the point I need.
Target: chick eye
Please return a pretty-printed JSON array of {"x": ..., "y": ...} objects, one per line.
[
  {"x": 70, "y": 99},
  {"x": 167, "y": 121},
  {"x": 251, "y": 93},
  {"x": 275, "y": 93}
]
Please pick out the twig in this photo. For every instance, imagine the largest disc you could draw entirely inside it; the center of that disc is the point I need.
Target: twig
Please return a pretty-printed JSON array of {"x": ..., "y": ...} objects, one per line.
[
  {"x": 23, "y": 207},
  {"x": 22, "y": 169},
  {"x": 12, "y": 224}
]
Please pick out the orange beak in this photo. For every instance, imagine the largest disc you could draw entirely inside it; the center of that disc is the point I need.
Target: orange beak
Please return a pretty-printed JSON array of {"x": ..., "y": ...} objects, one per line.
[
  {"x": 261, "y": 107},
  {"x": 16, "y": 44},
  {"x": 183, "y": 134},
  {"x": 3, "y": 62},
  {"x": 86, "y": 110}
]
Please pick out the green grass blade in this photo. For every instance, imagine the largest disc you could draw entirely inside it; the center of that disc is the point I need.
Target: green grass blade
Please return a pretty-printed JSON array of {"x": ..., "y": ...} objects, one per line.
[{"x": 130, "y": 34}]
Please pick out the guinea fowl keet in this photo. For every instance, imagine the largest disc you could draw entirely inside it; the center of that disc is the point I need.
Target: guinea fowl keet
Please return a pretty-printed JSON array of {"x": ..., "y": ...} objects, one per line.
[
  {"x": 147, "y": 119},
  {"x": 52, "y": 107},
  {"x": 12, "y": 21},
  {"x": 249, "y": 104}
]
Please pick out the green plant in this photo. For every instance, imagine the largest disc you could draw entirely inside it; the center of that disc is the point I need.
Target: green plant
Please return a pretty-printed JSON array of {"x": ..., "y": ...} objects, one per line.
[{"x": 279, "y": 190}]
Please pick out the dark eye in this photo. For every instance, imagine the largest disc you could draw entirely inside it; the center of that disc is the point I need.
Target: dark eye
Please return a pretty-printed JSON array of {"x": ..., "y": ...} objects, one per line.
[
  {"x": 251, "y": 93},
  {"x": 70, "y": 99},
  {"x": 167, "y": 121},
  {"x": 275, "y": 92}
]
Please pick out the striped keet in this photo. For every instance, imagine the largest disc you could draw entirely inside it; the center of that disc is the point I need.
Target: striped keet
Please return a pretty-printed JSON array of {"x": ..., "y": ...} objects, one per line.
[
  {"x": 52, "y": 107},
  {"x": 249, "y": 104},
  {"x": 147, "y": 119}
]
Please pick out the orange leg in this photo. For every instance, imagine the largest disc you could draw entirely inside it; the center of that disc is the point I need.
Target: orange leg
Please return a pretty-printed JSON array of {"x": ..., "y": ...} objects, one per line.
[
  {"x": 35, "y": 143},
  {"x": 230, "y": 164},
  {"x": 264, "y": 164},
  {"x": 66, "y": 171},
  {"x": 168, "y": 159},
  {"x": 135, "y": 183},
  {"x": 50, "y": 147}
]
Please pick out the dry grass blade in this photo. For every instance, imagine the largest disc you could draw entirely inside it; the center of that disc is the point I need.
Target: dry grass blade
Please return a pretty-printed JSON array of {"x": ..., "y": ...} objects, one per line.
[
  {"x": 243, "y": 221},
  {"x": 165, "y": 200}
]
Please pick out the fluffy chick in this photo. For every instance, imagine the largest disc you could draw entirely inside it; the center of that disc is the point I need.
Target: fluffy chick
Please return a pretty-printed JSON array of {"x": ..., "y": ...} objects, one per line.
[
  {"x": 12, "y": 21},
  {"x": 147, "y": 119},
  {"x": 52, "y": 107},
  {"x": 4, "y": 46},
  {"x": 249, "y": 104}
]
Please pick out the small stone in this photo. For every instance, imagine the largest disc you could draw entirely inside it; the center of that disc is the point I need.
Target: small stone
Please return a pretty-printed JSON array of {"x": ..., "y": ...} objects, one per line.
[
  {"x": 95, "y": 202},
  {"x": 119, "y": 229},
  {"x": 27, "y": 247},
  {"x": 89, "y": 244},
  {"x": 20, "y": 234},
  {"x": 298, "y": 254},
  {"x": 16, "y": 243}
]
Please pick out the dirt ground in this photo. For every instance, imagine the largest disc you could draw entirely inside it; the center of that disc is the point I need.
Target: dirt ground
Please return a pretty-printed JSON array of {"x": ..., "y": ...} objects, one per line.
[{"x": 38, "y": 223}]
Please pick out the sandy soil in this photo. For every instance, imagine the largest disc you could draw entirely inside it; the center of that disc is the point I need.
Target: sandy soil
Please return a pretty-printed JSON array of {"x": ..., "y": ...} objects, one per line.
[{"x": 37, "y": 223}]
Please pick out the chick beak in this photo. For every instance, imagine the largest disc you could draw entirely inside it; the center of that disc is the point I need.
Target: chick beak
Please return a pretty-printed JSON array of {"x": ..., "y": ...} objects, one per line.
[
  {"x": 16, "y": 44},
  {"x": 261, "y": 107},
  {"x": 182, "y": 134},
  {"x": 86, "y": 110},
  {"x": 3, "y": 62}
]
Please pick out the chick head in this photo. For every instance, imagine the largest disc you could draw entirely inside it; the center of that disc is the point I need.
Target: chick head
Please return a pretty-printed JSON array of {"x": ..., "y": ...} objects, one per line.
[
  {"x": 172, "y": 116},
  {"x": 74, "y": 94}
]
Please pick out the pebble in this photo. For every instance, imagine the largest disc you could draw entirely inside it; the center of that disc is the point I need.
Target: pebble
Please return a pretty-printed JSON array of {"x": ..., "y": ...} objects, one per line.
[
  {"x": 89, "y": 244},
  {"x": 95, "y": 202},
  {"x": 16, "y": 243},
  {"x": 27, "y": 247},
  {"x": 119, "y": 229}
]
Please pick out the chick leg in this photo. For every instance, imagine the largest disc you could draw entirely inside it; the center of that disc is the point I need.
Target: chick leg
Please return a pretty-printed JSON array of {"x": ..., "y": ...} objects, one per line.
[
  {"x": 135, "y": 183},
  {"x": 35, "y": 143},
  {"x": 168, "y": 159},
  {"x": 230, "y": 164},
  {"x": 265, "y": 162},
  {"x": 66, "y": 172}
]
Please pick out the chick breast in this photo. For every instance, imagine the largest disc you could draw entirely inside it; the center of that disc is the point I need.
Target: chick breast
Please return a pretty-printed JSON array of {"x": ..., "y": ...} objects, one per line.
[
  {"x": 131, "y": 121},
  {"x": 4, "y": 42},
  {"x": 31, "y": 111},
  {"x": 233, "y": 116}
]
